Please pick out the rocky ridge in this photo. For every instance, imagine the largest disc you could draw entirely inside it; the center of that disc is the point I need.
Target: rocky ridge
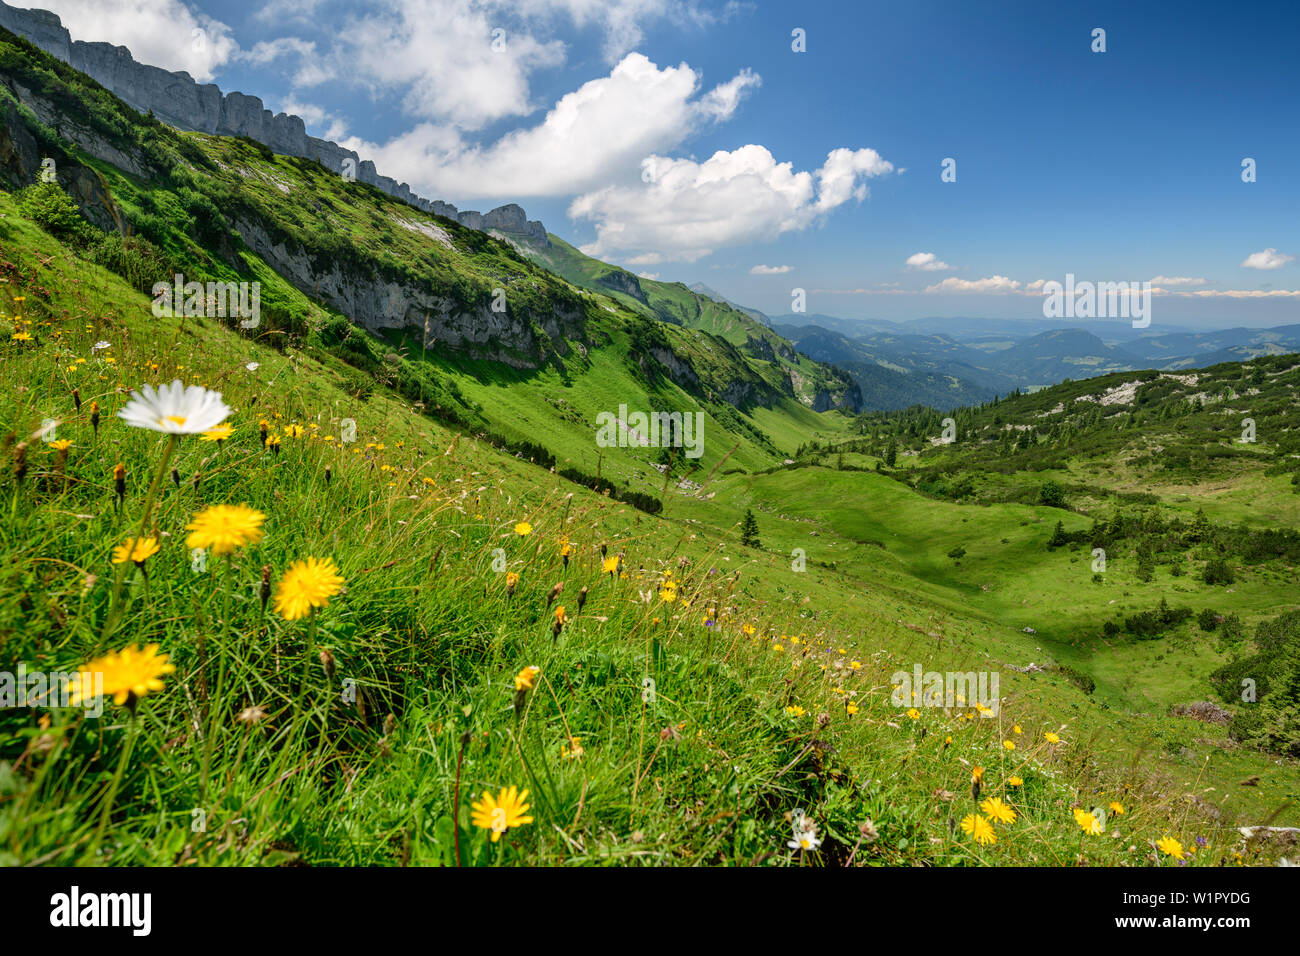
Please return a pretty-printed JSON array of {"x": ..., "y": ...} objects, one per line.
[{"x": 176, "y": 99}]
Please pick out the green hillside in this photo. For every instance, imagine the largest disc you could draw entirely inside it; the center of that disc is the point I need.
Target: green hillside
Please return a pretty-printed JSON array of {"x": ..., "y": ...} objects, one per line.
[{"x": 715, "y": 645}]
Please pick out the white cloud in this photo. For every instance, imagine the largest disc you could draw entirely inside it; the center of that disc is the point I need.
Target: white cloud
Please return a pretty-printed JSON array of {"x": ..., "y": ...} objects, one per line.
[
  {"x": 597, "y": 134},
  {"x": 770, "y": 270},
  {"x": 927, "y": 262},
  {"x": 1270, "y": 258},
  {"x": 993, "y": 284},
  {"x": 1176, "y": 281},
  {"x": 687, "y": 209},
  {"x": 165, "y": 33}
]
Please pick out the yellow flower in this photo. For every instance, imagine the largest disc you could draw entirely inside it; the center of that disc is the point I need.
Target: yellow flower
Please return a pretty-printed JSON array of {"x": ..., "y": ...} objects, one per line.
[
  {"x": 1016, "y": 730},
  {"x": 610, "y": 565},
  {"x": 219, "y": 433},
  {"x": 1015, "y": 782},
  {"x": 794, "y": 710},
  {"x": 855, "y": 665},
  {"x": 977, "y": 773},
  {"x": 1117, "y": 807},
  {"x": 668, "y": 592},
  {"x": 913, "y": 713},
  {"x": 130, "y": 671},
  {"x": 61, "y": 444},
  {"x": 1051, "y": 738},
  {"x": 294, "y": 431},
  {"x": 1009, "y": 744},
  {"x": 523, "y": 528},
  {"x": 225, "y": 528},
  {"x": 501, "y": 813},
  {"x": 573, "y": 750},
  {"x": 748, "y": 630},
  {"x": 980, "y": 828},
  {"x": 561, "y": 618},
  {"x": 307, "y": 584},
  {"x": 21, "y": 336},
  {"x": 524, "y": 679},
  {"x": 851, "y": 708},
  {"x": 1170, "y": 847},
  {"x": 138, "y": 550},
  {"x": 1087, "y": 822},
  {"x": 997, "y": 810}
]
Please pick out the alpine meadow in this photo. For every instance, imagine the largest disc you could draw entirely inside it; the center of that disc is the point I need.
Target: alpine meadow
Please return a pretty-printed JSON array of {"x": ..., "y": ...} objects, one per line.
[{"x": 347, "y": 527}]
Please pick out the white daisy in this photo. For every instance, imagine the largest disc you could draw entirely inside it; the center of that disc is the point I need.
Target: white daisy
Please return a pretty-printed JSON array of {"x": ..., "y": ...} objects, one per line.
[
  {"x": 175, "y": 409},
  {"x": 805, "y": 832}
]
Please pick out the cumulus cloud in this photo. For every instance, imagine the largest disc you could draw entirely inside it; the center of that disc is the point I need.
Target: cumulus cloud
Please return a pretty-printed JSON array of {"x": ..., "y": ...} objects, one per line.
[
  {"x": 1270, "y": 258},
  {"x": 597, "y": 134},
  {"x": 770, "y": 270},
  {"x": 165, "y": 33},
  {"x": 993, "y": 284},
  {"x": 1168, "y": 281},
  {"x": 684, "y": 209},
  {"x": 927, "y": 262}
]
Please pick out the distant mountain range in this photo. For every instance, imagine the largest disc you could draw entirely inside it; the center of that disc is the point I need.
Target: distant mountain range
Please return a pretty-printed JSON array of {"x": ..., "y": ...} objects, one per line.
[{"x": 925, "y": 362}]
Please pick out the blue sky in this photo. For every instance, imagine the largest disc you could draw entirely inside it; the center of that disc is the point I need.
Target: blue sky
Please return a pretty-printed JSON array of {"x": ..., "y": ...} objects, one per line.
[{"x": 657, "y": 133}]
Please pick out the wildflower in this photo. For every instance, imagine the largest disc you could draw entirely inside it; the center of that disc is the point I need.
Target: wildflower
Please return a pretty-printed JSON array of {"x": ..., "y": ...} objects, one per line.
[
  {"x": 501, "y": 813},
  {"x": 175, "y": 409},
  {"x": 805, "y": 835},
  {"x": 1117, "y": 807},
  {"x": 273, "y": 443},
  {"x": 138, "y": 550},
  {"x": 913, "y": 713},
  {"x": 1170, "y": 847},
  {"x": 1087, "y": 822},
  {"x": 610, "y": 566},
  {"x": 119, "y": 482},
  {"x": 94, "y": 417},
  {"x": 306, "y": 585},
  {"x": 525, "y": 678},
  {"x": 850, "y": 708},
  {"x": 855, "y": 665},
  {"x": 1051, "y": 738},
  {"x": 560, "y": 620},
  {"x": 573, "y": 750},
  {"x": 995, "y": 809},
  {"x": 668, "y": 593},
  {"x": 512, "y": 581},
  {"x": 1009, "y": 744},
  {"x": 21, "y": 336},
  {"x": 794, "y": 710},
  {"x": 61, "y": 445},
  {"x": 1016, "y": 730},
  {"x": 523, "y": 529},
  {"x": 566, "y": 551},
  {"x": 1015, "y": 782},
  {"x": 225, "y": 528},
  {"x": 979, "y": 828},
  {"x": 128, "y": 674},
  {"x": 977, "y": 774},
  {"x": 217, "y": 434},
  {"x": 294, "y": 431}
]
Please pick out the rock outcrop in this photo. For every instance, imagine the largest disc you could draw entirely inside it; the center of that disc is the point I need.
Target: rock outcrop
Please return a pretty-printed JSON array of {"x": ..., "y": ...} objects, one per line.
[{"x": 176, "y": 99}]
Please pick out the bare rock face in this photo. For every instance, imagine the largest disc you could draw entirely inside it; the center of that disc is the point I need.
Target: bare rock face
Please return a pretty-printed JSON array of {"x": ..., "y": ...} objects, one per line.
[{"x": 175, "y": 99}]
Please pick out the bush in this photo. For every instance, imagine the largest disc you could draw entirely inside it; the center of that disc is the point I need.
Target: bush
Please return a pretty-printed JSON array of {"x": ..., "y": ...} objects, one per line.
[
  {"x": 1052, "y": 495},
  {"x": 47, "y": 205},
  {"x": 1218, "y": 571},
  {"x": 1208, "y": 620}
]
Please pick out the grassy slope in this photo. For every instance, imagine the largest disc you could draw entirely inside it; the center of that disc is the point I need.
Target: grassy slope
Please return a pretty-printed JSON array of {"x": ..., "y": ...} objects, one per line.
[{"x": 427, "y": 630}]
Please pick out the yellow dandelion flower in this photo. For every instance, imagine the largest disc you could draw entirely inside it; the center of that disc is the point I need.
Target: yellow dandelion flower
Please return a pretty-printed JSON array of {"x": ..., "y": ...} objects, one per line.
[
  {"x": 138, "y": 550},
  {"x": 913, "y": 713},
  {"x": 1087, "y": 822},
  {"x": 525, "y": 678},
  {"x": 1051, "y": 738},
  {"x": 610, "y": 565},
  {"x": 977, "y": 774},
  {"x": 1015, "y": 782},
  {"x": 1117, "y": 807},
  {"x": 61, "y": 444},
  {"x": 1009, "y": 744},
  {"x": 573, "y": 750},
  {"x": 225, "y": 528},
  {"x": 306, "y": 585},
  {"x": 219, "y": 433},
  {"x": 523, "y": 528},
  {"x": 1170, "y": 847},
  {"x": 995, "y": 809},
  {"x": 979, "y": 828},
  {"x": 131, "y": 671},
  {"x": 794, "y": 710},
  {"x": 501, "y": 812}
]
